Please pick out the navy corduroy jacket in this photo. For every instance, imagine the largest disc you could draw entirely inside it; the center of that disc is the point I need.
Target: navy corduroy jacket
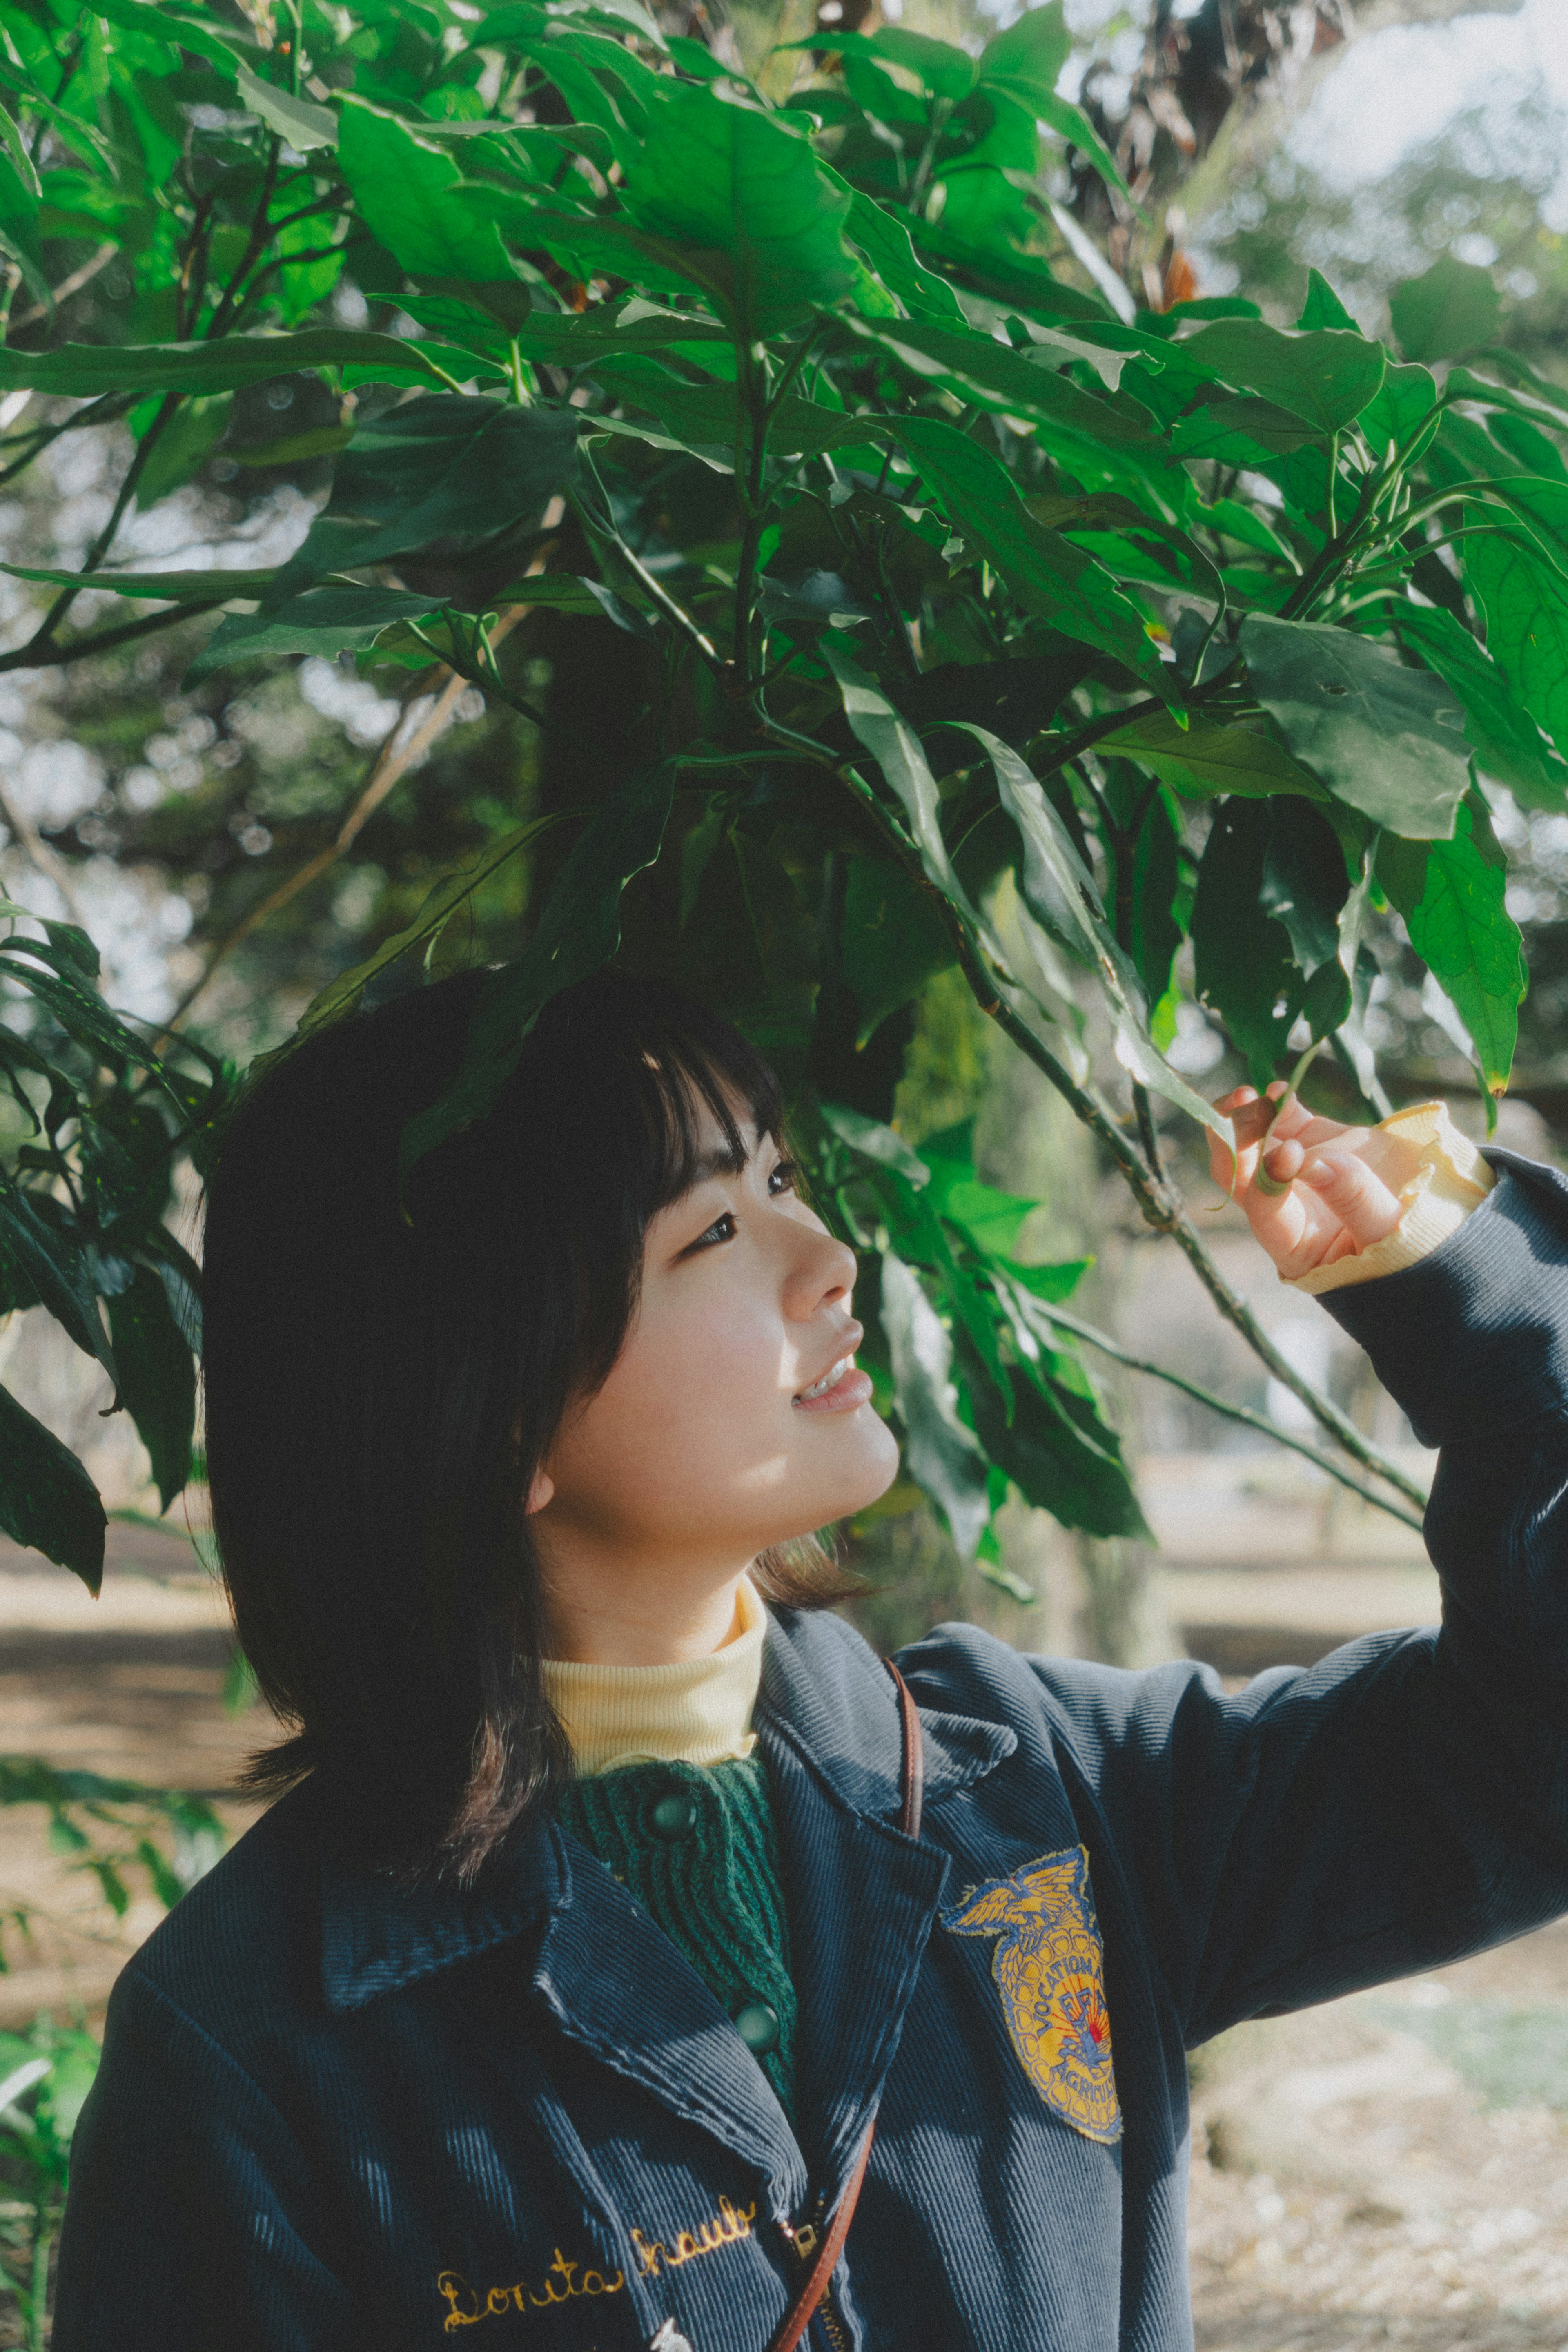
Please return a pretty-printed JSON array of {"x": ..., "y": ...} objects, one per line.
[{"x": 334, "y": 2116}]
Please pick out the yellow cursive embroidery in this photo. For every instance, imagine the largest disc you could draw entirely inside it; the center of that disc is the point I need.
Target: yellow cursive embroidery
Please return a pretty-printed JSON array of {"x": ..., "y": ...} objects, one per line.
[
  {"x": 730, "y": 2223},
  {"x": 467, "y": 2307},
  {"x": 1048, "y": 1968}
]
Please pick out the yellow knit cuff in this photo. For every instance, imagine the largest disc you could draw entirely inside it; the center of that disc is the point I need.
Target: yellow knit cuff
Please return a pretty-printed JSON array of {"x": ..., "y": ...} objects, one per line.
[{"x": 1439, "y": 1176}]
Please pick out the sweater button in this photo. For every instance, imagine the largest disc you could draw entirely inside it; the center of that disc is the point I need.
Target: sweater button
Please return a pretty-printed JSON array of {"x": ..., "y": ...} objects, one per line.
[
  {"x": 675, "y": 1815},
  {"x": 757, "y": 2022}
]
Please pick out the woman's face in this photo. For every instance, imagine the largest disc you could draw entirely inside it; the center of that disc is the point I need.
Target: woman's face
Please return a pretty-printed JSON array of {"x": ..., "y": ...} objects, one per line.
[{"x": 714, "y": 1435}]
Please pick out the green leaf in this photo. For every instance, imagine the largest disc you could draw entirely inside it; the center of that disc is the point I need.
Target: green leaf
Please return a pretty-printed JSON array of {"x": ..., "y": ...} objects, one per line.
[
  {"x": 892, "y": 942},
  {"x": 413, "y": 196},
  {"x": 1507, "y": 743},
  {"x": 157, "y": 1378},
  {"x": 1058, "y": 893},
  {"x": 38, "y": 1257},
  {"x": 1325, "y": 377},
  {"x": 168, "y": 587},
  {"x": 1049, "y": 576},
  {"x": 1242, "y": 960},
  {"x": 1526, "y": 607},
  {"x": 744, "y": 194},
  {"x": 1452, "y": 308},
  {"x": 47, "y": 1502},
  {"x": 874, "y": 1140},
  {"x": 1323, "y": 306},
  {"x": 341, "y": 995},
  {"x": 88, "y": 371},
  {"x": 449, "y": 471},
  {"x": 886, "y": 242},
  {"x": 1022, "y": 382},
  {"x": 940, "y": 1453},
  {"x": 1461, "y": 927},
  {"x": 325, "y": 621},
  {"x": 296, "y": 119},
  {"x": 895, "y": 746},
  {"x": 1393, "y": 420},
  {"x": 1239, "y": 430},
  {"x": 578, "y": 929},
  {"x": 1388, "y": 740},
  {"x": 1026, "y": 61},
  {"x": 1208, "y": 759}
]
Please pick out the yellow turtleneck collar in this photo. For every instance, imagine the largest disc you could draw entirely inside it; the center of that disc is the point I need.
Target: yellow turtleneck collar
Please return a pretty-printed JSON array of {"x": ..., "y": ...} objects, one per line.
[{"x": 698, "y": 1712}]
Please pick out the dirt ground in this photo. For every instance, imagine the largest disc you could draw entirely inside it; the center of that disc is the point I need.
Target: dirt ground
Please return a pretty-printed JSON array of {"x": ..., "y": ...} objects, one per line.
[{"x": 1392, "y": 2170}]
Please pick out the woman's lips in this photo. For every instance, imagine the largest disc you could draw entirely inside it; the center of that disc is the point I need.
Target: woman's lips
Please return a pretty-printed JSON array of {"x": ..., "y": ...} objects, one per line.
[{"x": 850, "y": 1390}]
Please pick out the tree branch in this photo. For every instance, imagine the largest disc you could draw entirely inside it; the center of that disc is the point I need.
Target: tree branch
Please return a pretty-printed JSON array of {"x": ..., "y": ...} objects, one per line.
[{"x": 1241, "y": 1413}]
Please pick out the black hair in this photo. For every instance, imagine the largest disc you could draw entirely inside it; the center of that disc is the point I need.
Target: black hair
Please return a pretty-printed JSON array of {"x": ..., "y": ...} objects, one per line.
[{"x": 383, "y": 1376}]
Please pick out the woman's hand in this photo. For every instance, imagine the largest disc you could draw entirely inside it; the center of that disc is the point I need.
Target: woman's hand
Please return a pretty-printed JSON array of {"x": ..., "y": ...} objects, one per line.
[{"x": 1338, "y": 1202}]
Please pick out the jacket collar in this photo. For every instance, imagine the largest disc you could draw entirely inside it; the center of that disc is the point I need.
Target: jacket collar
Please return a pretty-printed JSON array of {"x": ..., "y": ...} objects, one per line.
[{"x": 827, "y": 1705}]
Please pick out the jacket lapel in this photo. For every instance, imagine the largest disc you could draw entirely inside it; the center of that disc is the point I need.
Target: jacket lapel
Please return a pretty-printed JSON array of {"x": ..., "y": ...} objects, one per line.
[
  {"x": 862, "y": 1896},
  {"x": 617, "y": 1986}
]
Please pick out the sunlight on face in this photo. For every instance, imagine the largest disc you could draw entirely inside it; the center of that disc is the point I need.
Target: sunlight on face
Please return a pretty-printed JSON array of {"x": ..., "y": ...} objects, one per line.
[{"x": 702, "y": 1447}]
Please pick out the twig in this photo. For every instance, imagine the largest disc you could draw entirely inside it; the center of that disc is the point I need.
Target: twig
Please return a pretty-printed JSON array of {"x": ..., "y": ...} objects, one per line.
[
  {"x": 1241, "y": 1413},
  {"x": 39, "y": 856},
  {"x": 391, "y": 763},
  {"x": 68, "y": 286}
]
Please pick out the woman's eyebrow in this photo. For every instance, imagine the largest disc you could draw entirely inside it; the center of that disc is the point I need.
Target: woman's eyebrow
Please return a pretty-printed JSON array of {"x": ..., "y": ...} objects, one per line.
[{"x": 724, "y": 1160}]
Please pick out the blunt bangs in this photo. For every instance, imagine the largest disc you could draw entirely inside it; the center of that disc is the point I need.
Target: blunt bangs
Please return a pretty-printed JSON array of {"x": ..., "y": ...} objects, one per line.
[{"x": 383, "y": 1375}]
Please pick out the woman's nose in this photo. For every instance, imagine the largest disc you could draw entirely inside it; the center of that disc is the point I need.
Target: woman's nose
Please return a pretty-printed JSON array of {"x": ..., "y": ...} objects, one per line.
[{"x": 825, "y": 1274}]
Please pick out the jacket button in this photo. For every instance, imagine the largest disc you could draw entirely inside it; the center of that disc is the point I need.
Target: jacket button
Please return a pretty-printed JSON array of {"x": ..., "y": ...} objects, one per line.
[
  {"x": 757, "y": 2022},
  {"x": 675, "y": 1815}
]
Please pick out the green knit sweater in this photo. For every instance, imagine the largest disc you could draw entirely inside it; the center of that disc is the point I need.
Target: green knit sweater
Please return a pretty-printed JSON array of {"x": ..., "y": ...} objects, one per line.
[{"x": 699, "y": 1849}]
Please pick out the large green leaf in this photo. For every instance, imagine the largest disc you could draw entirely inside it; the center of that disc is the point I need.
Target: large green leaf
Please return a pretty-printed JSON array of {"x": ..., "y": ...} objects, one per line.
[
  {"x": 1526, "y": 607},
  {"x": 169, "y": 587},
  {"x": 157, "y": 1378},
  {"x": 1326, "y": 377},
  {"x": 743, "y": 193},
  {"x": 578, "y": 929},
  {"x": 1507, "y": 743},
  {"x": 1242, "y": 960},
  {"x": 446, "y": 472},
  {"x": 38, "y": 1257},
  {"x": 1020, "y": 383},
  {"x": 1208, "y": 758},
  {"x": 297, "y": 119},
  {"x": 1026, "y": 61},
  {"x": 1452, "y": 308},
  {"x": 892, "y": 940},
  {"x": 1046, "y": 572},
  {"x": 326, "y": 621},
  {"x": 1451, "y": 895},
  {"x": 47, "y": 1502},
  {"x": 413, "y": 196},
  {"x": 895, "y": 746},
  {"x": 88, "y": 371},
  {"x": 942, "y": 1455},
  {"x": 1388, "y": 740},
  {"x": 886, "y": 242}
]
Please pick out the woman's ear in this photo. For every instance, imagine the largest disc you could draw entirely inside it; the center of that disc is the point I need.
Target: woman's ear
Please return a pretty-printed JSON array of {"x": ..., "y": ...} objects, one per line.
[{"x": 540, "y": 1492}]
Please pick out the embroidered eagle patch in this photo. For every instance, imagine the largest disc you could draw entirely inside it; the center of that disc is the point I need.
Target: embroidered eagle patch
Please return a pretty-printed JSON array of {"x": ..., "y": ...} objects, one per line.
[{"x": 1048, "y": 1970}]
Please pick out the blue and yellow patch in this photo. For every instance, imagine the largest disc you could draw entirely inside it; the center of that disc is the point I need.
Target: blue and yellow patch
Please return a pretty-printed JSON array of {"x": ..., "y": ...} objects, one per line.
[{"x": 1049, "y": 1971}]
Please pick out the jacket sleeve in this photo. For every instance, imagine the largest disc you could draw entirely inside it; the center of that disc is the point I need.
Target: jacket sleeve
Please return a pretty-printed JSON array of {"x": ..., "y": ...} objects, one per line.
[
  {"x": 1406, "y": 1801},
  {"x": 190, "y": 2222}
]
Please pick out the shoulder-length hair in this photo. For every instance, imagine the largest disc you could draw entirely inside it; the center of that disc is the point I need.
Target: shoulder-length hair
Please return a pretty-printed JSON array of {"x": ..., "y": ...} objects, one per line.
[{"x": 382, "y": 1377}]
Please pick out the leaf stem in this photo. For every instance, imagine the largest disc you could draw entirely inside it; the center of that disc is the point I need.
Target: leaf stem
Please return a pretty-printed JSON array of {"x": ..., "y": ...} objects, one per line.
[{"x": 1240, "y": 1412}]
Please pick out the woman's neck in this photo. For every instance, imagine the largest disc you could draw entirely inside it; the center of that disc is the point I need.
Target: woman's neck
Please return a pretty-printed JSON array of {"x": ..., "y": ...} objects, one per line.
[{"x": 625, "y": 1620}]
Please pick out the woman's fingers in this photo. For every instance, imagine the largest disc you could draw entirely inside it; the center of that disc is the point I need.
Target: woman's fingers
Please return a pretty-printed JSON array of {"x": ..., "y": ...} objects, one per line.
[{"x": 1347, "y": 1187}]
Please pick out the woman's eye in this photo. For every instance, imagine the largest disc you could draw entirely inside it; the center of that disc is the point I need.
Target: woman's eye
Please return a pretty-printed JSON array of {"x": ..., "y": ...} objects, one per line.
[
  {"x": 782, "y": 1179},
  {"x": 721, "y": 1230}
]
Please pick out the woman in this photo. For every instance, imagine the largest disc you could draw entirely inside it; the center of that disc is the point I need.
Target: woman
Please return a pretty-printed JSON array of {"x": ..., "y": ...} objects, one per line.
[{"x": 558, "y": 1995}]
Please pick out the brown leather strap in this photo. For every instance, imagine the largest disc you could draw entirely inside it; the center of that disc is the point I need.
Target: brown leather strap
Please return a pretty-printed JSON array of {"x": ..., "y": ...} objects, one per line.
[{"x": 798, "y": 2318}]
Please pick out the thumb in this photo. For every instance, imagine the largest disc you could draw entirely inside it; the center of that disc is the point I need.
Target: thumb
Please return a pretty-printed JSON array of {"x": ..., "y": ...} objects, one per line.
[{"x": 1362, "y": 1203}]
